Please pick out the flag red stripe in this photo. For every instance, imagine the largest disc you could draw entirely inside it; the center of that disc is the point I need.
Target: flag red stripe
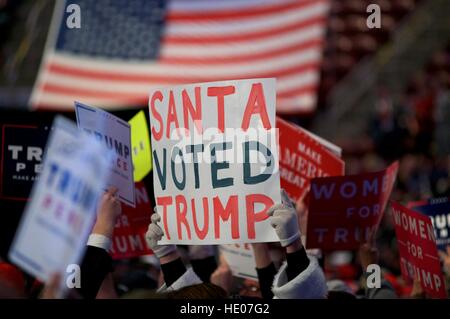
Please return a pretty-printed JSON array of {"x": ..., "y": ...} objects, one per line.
[
  {"x": 317, "y": 42},
  {"x": 234, "y": 14},
  {"x": 297, "y": 91},
  {"x": 136, "y": 98},
  {"x": 64, "y": 90},
  {"x": 161, "y": 79},
  {"x": 203, "y": 39}
]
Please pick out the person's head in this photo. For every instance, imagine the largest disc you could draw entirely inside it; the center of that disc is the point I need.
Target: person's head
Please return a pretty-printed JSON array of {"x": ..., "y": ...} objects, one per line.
[
  {"x": 337, "y": 289},
  {"x": 200, "y": 291}
]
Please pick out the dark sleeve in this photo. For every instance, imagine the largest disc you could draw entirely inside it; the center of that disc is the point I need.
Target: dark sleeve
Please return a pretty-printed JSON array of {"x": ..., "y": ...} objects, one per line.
[
  {"x": 97, "y": 263},
  {"x": 265, "y": 277},
  {"x": 296, "y": 263},
  {"x": 172, "y": 271},
  {"x": 204, "y": 267}
]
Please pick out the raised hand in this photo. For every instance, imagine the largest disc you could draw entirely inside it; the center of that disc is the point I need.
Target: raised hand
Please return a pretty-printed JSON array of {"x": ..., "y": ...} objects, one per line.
[
  {"x": 108, "y": 211},
  {"x": 155, "y": 234},
  {"x": 283, "y": 217}
]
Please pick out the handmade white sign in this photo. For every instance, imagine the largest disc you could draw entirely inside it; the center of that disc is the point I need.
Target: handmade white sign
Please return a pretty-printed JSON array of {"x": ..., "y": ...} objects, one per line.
[{"x": 215, "y": 161}]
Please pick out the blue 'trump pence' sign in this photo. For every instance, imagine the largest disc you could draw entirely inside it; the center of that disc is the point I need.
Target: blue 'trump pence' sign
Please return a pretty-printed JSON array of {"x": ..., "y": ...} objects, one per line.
[{"x": 58, "y": 218}]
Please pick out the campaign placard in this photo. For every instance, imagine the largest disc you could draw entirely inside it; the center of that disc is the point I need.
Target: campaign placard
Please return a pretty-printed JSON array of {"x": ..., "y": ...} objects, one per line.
[
  {"x": 438, "y": 209},
  {"x": 344, "y": 210},
  {"x": 303, "y": 157},
  {"x": 129, "y": 232},
  {"x": 241, "y": 260},
  {"x": 115, "y": 133},
  {"x": 59, "y": 216},
  {"x": 418, "y": 252},
  {"x": 22, "y": 149},
  {"x": 215, "y": 161},
  {"x": 140, "y": 146}
]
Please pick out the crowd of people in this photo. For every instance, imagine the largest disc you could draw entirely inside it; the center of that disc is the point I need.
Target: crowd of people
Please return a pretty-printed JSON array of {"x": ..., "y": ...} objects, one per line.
[
  {"x": 412, "y": 129},
  {"x": 300, "y": 275},
  {"x": 286, "y": 270}
]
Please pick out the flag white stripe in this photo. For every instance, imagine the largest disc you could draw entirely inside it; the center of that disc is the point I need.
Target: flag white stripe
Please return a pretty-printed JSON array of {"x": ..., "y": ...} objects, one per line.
[
  {"x": 240, "y": 48},
  {"x": 270, "y": 65},
  {"x": 301, "y": 103}
]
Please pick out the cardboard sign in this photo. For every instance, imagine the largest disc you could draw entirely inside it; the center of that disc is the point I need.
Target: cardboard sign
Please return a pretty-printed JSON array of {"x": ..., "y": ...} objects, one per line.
[
  {"x": 344, "y": 210},
  {"x": 115, "y": 134},
  {"x": 418, "y": 252},
  {"x": 129, "y": 233},
  {"x": 215, "y": 161},
  {"x": 303, "y": 157},
  {"x": 21, "y": 156},
  {"x": 140, "y": 145},
  {"x": 54, "y": 229},
  {"x": 23, "y": 136},
  {"x": 438, "y": 209},
  {"x": 241, "y": 259}
]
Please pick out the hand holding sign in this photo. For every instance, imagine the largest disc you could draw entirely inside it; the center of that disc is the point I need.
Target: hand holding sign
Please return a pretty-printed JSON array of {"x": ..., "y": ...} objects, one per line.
[
  {"x": 109, "y": 210},
  {"x": 283, "y": 217},
  {"x": 154, "y": 235}
]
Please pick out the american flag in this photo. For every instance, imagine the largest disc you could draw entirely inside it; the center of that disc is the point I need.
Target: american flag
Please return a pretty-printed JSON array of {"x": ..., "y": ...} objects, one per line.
[{"x": 126, "y": 47}]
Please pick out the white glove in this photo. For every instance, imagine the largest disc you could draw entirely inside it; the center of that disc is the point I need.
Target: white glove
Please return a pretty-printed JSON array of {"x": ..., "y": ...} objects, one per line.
[
  {"x": 283, "y": 217},
  {"x": 154, "y": 234}
]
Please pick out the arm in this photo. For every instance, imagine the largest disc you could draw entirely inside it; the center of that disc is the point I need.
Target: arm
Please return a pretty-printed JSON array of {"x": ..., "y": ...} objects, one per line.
[
  {"x": 300, "y": 277},
  {"x": 222, "y": 276},
  {"x": 265, "y": 269},
  {"x": 97, "y": 263},
  {"x": 283, "y": 217},
  {"x": 297, "y": 259},
  {"x": 203, "y": 261},
  {"x": 172, "y": 266},
  {"x": 107, "y": 289}
]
